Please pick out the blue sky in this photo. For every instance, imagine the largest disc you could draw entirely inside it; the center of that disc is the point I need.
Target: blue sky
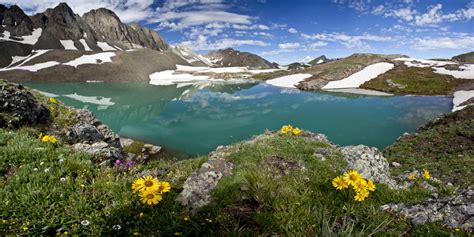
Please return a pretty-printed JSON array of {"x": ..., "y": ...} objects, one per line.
[{"x": 288, "y": 31}]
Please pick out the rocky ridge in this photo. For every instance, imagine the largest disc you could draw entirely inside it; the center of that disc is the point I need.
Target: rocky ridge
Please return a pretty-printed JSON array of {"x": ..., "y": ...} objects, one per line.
[{"x": 233, "y": 58}]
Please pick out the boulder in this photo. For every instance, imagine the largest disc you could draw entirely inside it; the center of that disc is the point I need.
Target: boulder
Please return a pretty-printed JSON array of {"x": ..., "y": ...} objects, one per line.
[
  {"x": 100, "y": 149},
  {"x": 198, "y": 187},
  {"x": 19, "y": 107},
  {"x": 370, "y": 163}
]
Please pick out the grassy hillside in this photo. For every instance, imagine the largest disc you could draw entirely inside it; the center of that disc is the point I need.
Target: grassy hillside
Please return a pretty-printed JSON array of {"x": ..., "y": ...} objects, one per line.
[
  {"x": 445, "y": 146},
  {"x": 413, "y": 80},
  {"x": 464, "y": 58}
]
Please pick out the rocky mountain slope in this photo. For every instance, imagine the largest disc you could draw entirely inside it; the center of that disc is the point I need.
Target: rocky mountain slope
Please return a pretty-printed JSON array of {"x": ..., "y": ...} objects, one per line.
[
  {"x": 319, "y": 60},
  {"x": 464, "y": 58},
  {"x": 234, "y": 58}
]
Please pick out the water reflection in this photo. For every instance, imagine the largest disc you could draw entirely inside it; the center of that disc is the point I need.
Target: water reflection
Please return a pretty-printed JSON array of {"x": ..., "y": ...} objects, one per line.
[{"x": 197, "y": 118}]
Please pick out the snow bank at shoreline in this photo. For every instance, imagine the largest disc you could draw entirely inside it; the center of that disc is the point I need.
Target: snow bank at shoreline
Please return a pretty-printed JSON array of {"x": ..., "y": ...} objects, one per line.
[
  {"x": 461, "y": 97},
  {"x": 289, "y": 81},
  {"x": 466, "y": 72},
  {"x": 414, "y": 62},
  {"x": 355, "y": 80}
]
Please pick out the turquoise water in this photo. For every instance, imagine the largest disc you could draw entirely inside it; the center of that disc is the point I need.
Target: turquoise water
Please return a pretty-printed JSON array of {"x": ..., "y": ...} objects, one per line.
[{"x": 196, "y": 120}]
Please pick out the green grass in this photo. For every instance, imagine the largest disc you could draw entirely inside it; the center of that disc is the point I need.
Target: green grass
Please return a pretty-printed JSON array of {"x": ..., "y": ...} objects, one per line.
[
  {"x": 444, "y": 148},
  {"x": 413, "y": 80},
  {"x": 134, "y": 148}
]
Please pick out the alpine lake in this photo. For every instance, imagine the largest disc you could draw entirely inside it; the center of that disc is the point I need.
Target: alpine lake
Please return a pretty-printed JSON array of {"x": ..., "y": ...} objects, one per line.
[{"x": 195, "y": 119}]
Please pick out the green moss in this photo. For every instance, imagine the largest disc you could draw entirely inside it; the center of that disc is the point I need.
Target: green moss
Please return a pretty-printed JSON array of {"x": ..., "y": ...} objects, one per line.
[
  {"x": 134, "y": 148},
  {"x": 413, "y": 80}
]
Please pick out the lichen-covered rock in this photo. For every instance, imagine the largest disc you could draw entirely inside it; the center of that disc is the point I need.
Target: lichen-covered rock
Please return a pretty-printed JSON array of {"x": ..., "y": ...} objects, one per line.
[
  {"x": 369, "y": 162},
  {"x": 100, "y": 149},
  {"x": 198, "y": 187},
  {"x": 456, "y": 212},
  {"x": 19, "y": 107},
  {"x": 90, "y": 135}
]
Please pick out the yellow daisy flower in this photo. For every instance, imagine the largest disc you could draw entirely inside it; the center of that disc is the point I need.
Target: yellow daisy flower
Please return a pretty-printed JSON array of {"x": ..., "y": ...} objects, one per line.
[
  {"x": 360, "y": 196},
  {"x": 412, "y": 177},
  {"x": 352, "y": 177},
  {"x": 150, "y": 183},
  {"x": 370, "y": 185},
  {"x": 360, "y": 185},
  {"x": 53, "y": 101},
  {"x": 150, "y": 197},
  {"x": 284, "y": 130},
  {"x": 138, "y": 185},
  {"x": 164, "y": 187},
  {"x": 296, "y": 131},
  {"x": 426, "y": 174},
  {"x": 339, "y": 183}
]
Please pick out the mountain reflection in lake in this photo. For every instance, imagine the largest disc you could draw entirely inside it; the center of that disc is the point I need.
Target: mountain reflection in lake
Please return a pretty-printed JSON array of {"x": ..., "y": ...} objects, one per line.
[{"x": 195, "y": 119}]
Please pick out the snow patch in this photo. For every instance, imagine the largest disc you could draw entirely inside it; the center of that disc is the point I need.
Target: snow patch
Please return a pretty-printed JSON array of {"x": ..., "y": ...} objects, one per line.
[
  {"x": 105, "y": 47},
  {"x": 84, "y": 43},
  {"x": 414, "y": 62},
  {"x": 98, "y": 58},
  {"x": 460, "y": 97},
  {"x": 26, "y": 39},
  {"x": 288, "y": 81},
  {"x": 168, "y": 77},
  {"x": 68, "y": 44},
  {"x": 355, "y": 80},
  {"x": 466, "y": 72}
]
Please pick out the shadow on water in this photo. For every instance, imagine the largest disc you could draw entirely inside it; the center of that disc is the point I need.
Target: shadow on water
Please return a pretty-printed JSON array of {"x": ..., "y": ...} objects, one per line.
[{"x": 195, "y": 119}]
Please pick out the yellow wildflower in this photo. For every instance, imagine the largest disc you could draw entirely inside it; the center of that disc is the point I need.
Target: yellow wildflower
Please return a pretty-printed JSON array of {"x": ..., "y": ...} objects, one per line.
[
  {"x": 40, "y": 135},
  {"x": 25, "y": 228},
  {"x": 361, "y": 195},
  {"x": 360, "y": 185},
  {"x": 51, "y": 108},
  {"x": 150, "y": 183},
  {"x": 296, "y": 131},
  {"x": 426, "y": 174},
  {"x": 186, "y": 218},
  {"x": 370, "y": 185},
  {"x": 48, "y": 138},
  {"x": 141, "y": 215},
  {"x": 352, "y": 177},
  {"x": 164, "y": 187},
  {"x": 412, "y": 177},
  {"x": 339, "y": 183},
  {"x": 138, "y": 185},
  {"x": 150, "y": 197},
  {"x": 209, "y": 220},
  {"x": 53, "y": 101},
  {"x": 284, "y": 130}
]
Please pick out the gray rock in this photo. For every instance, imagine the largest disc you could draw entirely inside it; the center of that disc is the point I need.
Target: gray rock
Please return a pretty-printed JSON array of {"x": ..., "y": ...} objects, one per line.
[
  {"x": 322, "y": 153},
  {"x": 396, "y": 164},
  {"x": 369, "y": 162},
  {"x": 19, "y": 107},
  {"x": 198, "y": 187},
  {"x": 455, "y": 212},
  {"x": 99, "y": 149}
]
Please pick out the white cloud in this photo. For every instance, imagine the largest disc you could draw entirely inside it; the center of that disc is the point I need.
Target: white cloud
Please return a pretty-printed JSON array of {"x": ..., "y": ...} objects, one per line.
[
  {"x": 317, "y": 45},
  {"x": 250, "y": 27},
  {"x": 182, "y": 20},
  {"x": 461, "y": 42},
  {"x": 292, "y": 30},
  {"x": 289, "y": 45},
  {"x": 203, "y": 43},
  {"x": 276, "y": 52},
  {"x": 350, "y": 41},
  {"x": 263, "y": 34}
]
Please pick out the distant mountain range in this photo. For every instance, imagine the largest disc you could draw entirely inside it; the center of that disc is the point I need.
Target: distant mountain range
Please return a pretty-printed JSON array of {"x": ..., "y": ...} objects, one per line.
[{"x": 58, "y": 35}]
